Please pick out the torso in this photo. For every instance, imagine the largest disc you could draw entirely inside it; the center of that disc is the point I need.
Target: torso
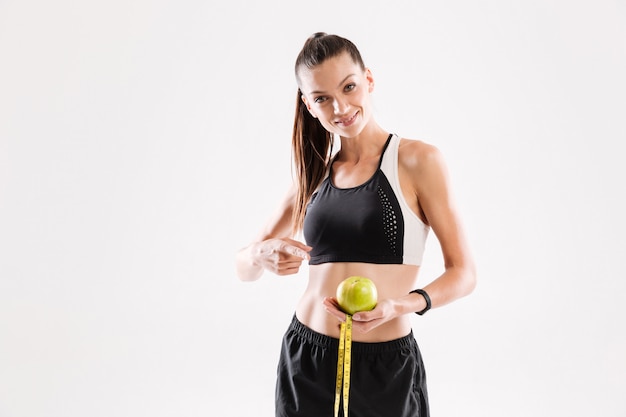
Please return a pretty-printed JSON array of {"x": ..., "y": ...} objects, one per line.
[{"x": 392, "y": 280}]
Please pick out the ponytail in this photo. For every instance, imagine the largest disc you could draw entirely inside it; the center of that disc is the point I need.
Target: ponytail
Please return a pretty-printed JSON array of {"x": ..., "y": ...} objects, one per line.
[{"x": 312, "y": 146}]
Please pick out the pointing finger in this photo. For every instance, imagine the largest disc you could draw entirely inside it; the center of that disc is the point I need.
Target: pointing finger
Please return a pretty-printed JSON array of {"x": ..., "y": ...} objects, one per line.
[{"x": 300, "y": 253}]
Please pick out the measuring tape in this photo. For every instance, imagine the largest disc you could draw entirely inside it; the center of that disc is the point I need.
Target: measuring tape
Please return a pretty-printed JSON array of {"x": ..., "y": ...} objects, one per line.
[{"x": 343, "y": 366}]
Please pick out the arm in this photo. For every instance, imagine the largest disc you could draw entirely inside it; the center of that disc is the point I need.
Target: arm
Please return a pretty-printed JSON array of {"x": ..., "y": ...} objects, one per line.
[
  {"x": 432, "y": 187},
  {"x": 273, "y": 250},
  {"x": 424, "y": 171}
]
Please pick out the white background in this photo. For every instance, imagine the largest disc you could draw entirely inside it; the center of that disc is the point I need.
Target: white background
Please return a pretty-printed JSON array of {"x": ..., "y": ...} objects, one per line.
[{"x": 143, "y": 142}]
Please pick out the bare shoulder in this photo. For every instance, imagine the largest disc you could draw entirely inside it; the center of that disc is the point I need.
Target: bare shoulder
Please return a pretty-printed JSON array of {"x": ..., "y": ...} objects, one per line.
[{"x": 417, "y": 155}]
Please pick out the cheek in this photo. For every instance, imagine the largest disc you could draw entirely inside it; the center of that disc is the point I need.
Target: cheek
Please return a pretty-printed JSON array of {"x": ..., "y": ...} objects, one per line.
[
  {"x": 363, "y": 98},
  {"x": 320, "y": 111},
  {"x": 325, "y": 118}
]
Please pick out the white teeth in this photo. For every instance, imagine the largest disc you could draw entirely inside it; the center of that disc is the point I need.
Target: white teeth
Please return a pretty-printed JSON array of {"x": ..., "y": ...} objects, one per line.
[{"x": 348, "y": 120}]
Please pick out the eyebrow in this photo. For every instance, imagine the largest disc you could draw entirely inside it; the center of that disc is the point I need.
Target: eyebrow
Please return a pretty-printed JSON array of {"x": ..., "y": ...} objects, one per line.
[{"x": 342, "y": 81}]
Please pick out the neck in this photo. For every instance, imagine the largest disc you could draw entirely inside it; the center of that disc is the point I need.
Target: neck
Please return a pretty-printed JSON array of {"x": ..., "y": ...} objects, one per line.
[{"x": 366, "y": 144}]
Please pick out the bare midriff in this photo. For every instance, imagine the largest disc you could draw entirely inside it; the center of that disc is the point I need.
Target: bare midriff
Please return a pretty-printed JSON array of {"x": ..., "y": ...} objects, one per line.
[{"x": 392, "y": 281}]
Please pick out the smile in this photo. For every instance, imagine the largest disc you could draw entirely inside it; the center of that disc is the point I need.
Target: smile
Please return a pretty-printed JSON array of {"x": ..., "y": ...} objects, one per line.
[{"x": 348, "y": 121}]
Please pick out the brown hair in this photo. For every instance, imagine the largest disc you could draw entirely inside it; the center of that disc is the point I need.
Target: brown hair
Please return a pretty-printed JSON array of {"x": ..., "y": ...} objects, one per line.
[{"x": 312, "y": 144}]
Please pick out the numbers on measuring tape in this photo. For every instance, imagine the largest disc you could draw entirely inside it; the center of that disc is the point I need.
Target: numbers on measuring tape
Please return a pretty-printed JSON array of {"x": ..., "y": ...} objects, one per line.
[{"x": 343, "y": 366}]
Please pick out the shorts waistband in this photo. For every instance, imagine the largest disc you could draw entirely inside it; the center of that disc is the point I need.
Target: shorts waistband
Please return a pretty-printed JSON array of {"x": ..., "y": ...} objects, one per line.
[{"x": 323, "y": 340}]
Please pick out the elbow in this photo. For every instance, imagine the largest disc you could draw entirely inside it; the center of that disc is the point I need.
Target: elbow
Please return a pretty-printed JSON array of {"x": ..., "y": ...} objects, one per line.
[
  {"x": 460, "y": 269},
  {"x": 464, "y": 279},
  {"x": 469, "y": 280}
]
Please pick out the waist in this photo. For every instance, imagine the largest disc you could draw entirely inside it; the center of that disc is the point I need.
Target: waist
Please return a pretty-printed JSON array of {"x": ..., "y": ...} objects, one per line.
[
  {"x": 392, "y": 281},
  {"x": 330, "y": 342}
]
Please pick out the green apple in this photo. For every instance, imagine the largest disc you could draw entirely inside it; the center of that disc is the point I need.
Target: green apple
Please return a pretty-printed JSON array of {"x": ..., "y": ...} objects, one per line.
[{"x": 356, "y": 293}]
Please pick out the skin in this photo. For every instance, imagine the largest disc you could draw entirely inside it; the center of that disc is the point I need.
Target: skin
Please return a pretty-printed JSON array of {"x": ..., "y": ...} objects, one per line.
[{"x": 337, "y": 93}]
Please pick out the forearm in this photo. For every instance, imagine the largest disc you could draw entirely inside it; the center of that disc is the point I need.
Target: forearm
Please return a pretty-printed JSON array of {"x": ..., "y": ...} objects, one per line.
[
  {"x": 454, "y": 283},
  {"x": 249, "y": 262}
]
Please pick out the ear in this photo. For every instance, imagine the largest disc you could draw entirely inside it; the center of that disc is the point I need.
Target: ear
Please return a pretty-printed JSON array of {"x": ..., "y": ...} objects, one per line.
[
  {"x": 370, "y": 80},
  {"x": 308, "y": 107}
]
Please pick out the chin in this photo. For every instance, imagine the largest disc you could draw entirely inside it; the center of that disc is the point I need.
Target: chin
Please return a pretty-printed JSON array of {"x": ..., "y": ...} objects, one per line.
[{"x": 351, "y": 132}]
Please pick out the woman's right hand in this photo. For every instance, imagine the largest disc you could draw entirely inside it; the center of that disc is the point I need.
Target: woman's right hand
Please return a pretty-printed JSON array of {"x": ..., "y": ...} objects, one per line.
[{"x": 282, "y": 256}]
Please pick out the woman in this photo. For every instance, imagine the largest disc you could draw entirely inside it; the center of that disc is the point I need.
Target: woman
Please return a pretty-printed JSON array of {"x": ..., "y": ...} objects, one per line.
[{"x": 365, "y": 211}]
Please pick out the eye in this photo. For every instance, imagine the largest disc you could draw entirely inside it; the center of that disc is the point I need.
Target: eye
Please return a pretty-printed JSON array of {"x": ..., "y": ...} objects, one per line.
[
  {"x": 320, "y": 99},
  {"x": 350, "y": 87}
]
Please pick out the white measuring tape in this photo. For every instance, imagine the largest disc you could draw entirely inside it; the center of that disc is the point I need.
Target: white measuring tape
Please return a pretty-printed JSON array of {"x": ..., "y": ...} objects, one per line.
[{"x": 343, "y": 366}]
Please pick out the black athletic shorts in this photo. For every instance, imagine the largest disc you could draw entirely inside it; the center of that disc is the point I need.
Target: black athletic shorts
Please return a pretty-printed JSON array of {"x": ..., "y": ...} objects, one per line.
[{"x": 387, "y": 378}]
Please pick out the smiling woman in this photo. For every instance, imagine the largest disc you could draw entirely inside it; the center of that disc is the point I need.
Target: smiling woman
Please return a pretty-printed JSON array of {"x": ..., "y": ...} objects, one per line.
[
  {"x": 364, "y": 211},
  {"x": 334, "y": 100}
]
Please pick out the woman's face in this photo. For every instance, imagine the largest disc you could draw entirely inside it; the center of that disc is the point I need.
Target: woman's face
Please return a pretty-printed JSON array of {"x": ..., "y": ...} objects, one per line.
[{"x": 336, "y": 92}]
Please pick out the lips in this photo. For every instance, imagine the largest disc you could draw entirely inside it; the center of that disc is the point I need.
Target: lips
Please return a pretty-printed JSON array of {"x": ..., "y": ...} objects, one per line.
[{"x": 347, "y": 121}]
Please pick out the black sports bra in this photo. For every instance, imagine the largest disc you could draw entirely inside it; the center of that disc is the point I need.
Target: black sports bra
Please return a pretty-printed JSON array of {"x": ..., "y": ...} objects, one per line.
[{"x": 370, "y": 223}]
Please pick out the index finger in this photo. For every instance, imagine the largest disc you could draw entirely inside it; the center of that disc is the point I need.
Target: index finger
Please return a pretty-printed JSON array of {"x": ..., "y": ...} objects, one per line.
[{"x": 297, "y": 251}]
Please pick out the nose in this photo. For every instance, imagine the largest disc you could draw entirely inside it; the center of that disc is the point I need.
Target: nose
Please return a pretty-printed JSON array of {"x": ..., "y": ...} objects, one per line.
[{"x": 340, "y": 106}]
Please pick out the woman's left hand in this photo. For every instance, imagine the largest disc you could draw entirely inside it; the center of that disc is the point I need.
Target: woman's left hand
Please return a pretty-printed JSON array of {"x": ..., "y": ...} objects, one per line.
[{"x": 363, "y": 321}]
